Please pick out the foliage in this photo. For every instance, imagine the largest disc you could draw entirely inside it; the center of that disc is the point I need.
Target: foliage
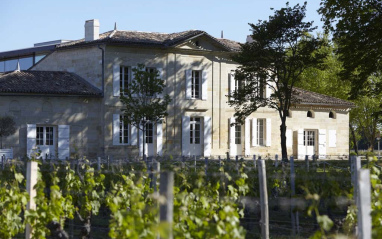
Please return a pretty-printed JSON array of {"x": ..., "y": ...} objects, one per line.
[
  {"x": 365, "y": 119},
  {"x": 51, "y": 208},
  {"x": 376, "y": 199},
  {"x": 7, "y": 127},
  {"x": 356, "y": 29},
  {"x": 13, "y": 200},
  {"x": 281, "y": 50},
  {"x": 325, "y": 79}
]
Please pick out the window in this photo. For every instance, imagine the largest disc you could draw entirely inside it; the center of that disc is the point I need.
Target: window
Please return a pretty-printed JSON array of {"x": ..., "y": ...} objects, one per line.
[
  {"x": 239, "y": 84},
  {"x": 195, "y": 84},
  {"x": 151, "y": 70},
  {"x": 310, "y": 114},
  {"x": 123, "y": 131},
  {"x": 260, "y": 88},
  {"x": 260, "y": 132},
  {"x": 289, "y": 114},
  {"x": 194, "y": 130},
  {"x": 44, "y": 135},
  {"x": 309, "y": 138},
  {"x": 149, "y": 132},
  {"x": 124, "y": 77},
  {"x": 332, "y": 115},
  {"x": 237, "y": 134}
]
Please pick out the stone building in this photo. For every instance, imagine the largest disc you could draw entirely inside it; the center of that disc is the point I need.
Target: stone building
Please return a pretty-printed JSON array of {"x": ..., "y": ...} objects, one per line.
[{"x": 67, "y": 103}]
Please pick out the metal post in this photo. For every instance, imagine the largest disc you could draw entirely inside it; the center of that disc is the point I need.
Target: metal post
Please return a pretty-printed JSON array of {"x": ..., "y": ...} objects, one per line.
[
  {"x": 254, "y": 161},
  {"x": 99, "y": 163},
  {"x": 263, "y": 200},
  {"x": 195, "y": 163},
  {"x": 220, "y": 162},
  {"x": 307, "y": 163},
  {"x": 166, "y": 206}
]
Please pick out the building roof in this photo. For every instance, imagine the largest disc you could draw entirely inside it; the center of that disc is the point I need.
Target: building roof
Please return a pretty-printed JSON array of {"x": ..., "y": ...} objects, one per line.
[
  {"x": 46, "y": 83},
  {"x": 163, "y": 40},
  {"x": 305, "y": 97}
]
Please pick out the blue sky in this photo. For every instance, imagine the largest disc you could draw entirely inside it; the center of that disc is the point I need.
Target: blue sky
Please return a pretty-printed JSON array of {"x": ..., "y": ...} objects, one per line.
[{"x": 25, "y": 22}]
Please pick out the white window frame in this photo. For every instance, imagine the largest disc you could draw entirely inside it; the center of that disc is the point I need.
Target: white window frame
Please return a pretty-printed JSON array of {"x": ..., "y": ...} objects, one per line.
[
  {"x": 261, "y": 132},
  {"x": 195, "y": 130},
  {"x": 199, "y": 85},
  {"x": 123, "y": 130},
  {"x": 149, "y": 131},
  {"x": 124, "y": 84},
  {"x": 309, "y": 138},
  {"x": 45, "y": 135},
  {"x": 238, "y": 129}
]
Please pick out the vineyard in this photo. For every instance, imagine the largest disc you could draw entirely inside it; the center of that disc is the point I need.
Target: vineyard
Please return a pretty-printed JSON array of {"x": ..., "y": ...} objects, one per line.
[{"x": 185, "y": 198}]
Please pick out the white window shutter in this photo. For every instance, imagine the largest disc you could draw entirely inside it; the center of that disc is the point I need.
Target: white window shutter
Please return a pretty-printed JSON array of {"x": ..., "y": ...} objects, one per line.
[
  {"x": 188, "y": 84},
  {"x": 232, "y": 145},
  {"x": 31, "y": 139},
  {"x": 268, "y": 131},
  {"x": 247, "y": 137},
  {"x": 159, "y": 138},
  {"x": 322, "y": 143},
  {"x": 289, "y": 138},
  {"x": 301, "y": 150},
  {"x": 186, "y": 135},
  {"x": 141, "y": 138},
  {"x": 231, "y": 82},
  {"x": 116, "y": 80},
  {"x": 116, "y": 122},
  {"x": 160, "y": 72},
  {"x": 207, "y": 136},
  {"x": 134, "y": 135},
  {"x": 254, "y": 132},
  {"x": 268, "y": 89},
  {"x": 332, "y": 138},
  {"x": 204, "y": 84},
  {"x": 63, "y": 141}
]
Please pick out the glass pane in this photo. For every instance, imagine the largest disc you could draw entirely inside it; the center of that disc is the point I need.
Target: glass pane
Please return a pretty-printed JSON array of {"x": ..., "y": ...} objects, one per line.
[
  {"x": 38, "y": 58},
  {"x": 26, "y": 63},
  {"x": 10, "y": 65}
]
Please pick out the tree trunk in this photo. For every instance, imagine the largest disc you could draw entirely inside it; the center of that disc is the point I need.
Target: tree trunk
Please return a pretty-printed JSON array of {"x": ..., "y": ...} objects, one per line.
[
  {"x": 284, "y": 153},
  {"x": 355, "y": 144}
]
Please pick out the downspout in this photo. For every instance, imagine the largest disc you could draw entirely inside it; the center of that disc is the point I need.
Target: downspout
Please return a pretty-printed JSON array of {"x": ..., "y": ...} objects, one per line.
[
  {"x": 103, "y": 102},
  {"x": 103, "y": 69}
]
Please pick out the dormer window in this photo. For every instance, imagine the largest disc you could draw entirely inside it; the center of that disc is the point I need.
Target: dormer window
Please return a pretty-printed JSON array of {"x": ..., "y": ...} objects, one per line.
[
  {"x": 289, "y": 114},
  {"x": 310, "y": 114},
  {"x": 332, "y": 115},
  {"x": 196, "y": 43}
]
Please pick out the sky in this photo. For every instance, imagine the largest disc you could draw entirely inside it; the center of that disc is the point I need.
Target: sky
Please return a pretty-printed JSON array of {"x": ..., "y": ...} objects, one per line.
[{"x": 25, "y": 22}]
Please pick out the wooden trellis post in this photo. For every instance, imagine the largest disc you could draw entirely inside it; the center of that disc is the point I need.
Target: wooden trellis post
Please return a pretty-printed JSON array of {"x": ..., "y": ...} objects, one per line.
[
  {"x": 166, "y": 208},
  {"x": 32, "y": 171},
  {"x": 263, "y": 200},
  {"x": 364, "y": 204}
]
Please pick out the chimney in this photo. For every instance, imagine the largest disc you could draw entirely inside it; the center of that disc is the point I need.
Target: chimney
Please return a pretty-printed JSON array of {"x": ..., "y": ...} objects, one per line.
[
  {"x": 249, "y": 39},
  {"x": 91, "y": 30}
]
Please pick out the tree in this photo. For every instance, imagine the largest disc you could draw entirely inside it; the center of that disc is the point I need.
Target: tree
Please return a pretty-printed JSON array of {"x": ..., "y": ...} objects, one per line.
[
  {"x": 356, "y": 27},
  {"x": 281, "y": 50},
  {"x": 325, "y": 79},
  {"x": 143, "y": 101},
  {"x": 7, "y": 127}
]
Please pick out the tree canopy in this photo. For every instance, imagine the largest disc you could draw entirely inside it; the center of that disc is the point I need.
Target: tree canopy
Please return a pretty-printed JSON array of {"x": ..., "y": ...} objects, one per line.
[
  {"x": 280, "y": 51},
  {"x": 143, "y": 99},
  {"x": 7, "y": 127},
  {"x": 356, "y": 28}
]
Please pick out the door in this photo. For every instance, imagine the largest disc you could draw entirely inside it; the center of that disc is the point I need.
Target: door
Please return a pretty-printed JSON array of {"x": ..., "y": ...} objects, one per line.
[
  {"x": 46, "y": 141},
  {"x": 195, "y": 136},
  {"x": 310, "y": 142},
  {"x": 150, "y": 151}
]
